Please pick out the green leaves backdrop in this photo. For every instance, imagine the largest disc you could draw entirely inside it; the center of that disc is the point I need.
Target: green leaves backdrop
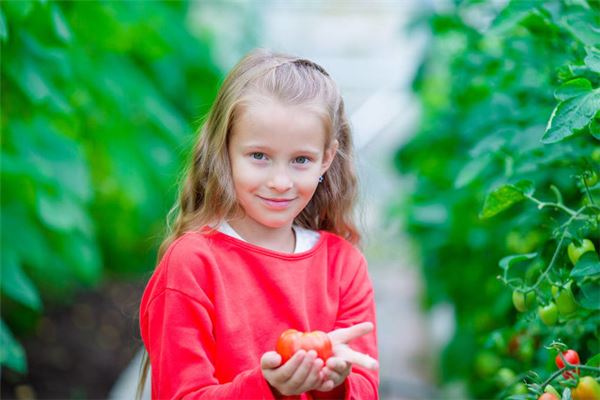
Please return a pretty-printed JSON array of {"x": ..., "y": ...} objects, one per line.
[
  {"x": 510, "y": 95},
  {"x": 97, "y": 104}
]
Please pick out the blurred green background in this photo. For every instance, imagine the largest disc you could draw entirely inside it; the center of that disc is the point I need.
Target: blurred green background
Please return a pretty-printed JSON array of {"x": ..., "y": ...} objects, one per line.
[{"x": 99, "y": 105}]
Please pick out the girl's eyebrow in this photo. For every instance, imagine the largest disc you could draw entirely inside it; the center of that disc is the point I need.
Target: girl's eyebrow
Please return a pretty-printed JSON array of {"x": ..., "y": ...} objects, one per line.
[{"x": 260, "y": 147}]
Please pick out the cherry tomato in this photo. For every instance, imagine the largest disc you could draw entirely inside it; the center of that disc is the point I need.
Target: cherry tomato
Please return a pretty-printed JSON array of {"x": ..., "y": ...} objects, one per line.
[
  {"x": 572, "y": 358},
  {"x": 523, "y": 301},
  {"x": 576, "y": 251},
  {"x": 292, "y": 340},
  {"x": 587, "y": 389},
  {"x": 590, "y": 178},
  {"x": 548, "y": 396},
  {"x": 548, "y": 314},
  {"x": 565, "y": 301}
]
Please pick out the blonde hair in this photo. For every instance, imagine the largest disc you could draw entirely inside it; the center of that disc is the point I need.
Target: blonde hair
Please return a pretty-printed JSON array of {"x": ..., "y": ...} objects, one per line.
[{"x": 207, "y": 194}]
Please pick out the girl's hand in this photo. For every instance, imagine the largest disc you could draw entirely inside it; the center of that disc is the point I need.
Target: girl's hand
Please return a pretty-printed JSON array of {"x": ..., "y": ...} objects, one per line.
[
  {"x": 339, "y": 366},
  {"x": 299, "y": 374}
]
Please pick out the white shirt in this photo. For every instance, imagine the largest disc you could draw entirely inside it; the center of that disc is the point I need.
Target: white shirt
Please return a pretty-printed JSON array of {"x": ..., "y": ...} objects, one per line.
[{"x": 305, "y": 238}]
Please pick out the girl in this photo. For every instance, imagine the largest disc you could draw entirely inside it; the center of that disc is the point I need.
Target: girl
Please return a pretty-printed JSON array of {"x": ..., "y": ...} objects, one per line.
[{"x": 263, "y": 241}]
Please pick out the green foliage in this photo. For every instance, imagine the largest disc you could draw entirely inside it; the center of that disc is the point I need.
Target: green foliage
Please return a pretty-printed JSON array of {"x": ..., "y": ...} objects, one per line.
[
  {"x": 97, "y": 100},
  {"x": 509, "y": 131}
]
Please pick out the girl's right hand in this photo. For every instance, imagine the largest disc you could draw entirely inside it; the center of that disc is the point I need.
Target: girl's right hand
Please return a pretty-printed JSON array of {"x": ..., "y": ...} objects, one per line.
[{"x": 299, "y": 374}]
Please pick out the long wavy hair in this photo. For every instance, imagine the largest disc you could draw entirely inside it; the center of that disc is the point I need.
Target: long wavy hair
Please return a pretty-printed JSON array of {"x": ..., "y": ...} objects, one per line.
[{"x": 207, "y": 194}]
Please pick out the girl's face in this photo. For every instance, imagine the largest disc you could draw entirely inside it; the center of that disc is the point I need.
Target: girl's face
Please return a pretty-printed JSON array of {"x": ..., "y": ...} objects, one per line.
[{"x": 277, "y": 154}]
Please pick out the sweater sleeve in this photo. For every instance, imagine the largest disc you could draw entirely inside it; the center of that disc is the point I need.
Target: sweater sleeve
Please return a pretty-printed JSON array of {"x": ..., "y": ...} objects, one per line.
[
  {"x": 357, "y": 305},
  {"x": 181, "y": 347}
]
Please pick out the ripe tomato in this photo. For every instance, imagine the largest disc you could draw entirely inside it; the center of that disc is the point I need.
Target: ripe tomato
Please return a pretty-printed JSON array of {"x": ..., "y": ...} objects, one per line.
[
  {"x": 548, "y": 314},
  {"x": 587, "y": 389},
  {"x": 565, "y": 301},
  {"x": 572, "y": 358},
  {"x": 575, "y": 251},
  {"x": 548, "y": 396},
  {"x": 292, "y": 340},
  {"x": 523, "y": 301}
]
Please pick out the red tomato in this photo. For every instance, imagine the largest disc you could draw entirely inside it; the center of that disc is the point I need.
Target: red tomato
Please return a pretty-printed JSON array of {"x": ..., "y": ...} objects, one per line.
[
  {"x": 548, "y": 396},
  {"x": 572, "y": 358},
  {"x": 292, "y": 340}
]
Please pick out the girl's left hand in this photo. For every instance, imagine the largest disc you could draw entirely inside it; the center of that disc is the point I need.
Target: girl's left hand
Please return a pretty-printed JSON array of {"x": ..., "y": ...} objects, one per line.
[{"x": 338, "y": 367}]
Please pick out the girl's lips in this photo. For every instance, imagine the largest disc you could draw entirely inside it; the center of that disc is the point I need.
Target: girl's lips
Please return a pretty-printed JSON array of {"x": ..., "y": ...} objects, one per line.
[{"x": 276, "y": 203}]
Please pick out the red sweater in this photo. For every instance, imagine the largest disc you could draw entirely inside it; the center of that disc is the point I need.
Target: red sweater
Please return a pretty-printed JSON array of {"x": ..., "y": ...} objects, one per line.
[{"x": 216, "y": 304}]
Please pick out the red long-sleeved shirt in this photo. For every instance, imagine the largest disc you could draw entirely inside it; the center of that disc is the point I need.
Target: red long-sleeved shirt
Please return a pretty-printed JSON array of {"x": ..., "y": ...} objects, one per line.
[{"x": 216, "y": 304}]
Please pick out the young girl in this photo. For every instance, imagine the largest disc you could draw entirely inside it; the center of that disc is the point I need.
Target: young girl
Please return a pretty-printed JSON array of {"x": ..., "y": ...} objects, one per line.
[{"x": 263, "y": 241}]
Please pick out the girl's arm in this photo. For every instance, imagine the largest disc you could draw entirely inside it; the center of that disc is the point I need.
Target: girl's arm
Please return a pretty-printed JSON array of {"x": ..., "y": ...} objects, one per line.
[
  {"x": 357, "y": 305},
  {"x": 177, "y": 332}
]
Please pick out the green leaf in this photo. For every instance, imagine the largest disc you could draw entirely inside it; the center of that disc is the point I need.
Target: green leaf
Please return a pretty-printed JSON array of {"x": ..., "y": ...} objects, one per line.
[
  {"x": 506, "y": 262},
  {"x": 573, "y": 88},
  {"x": 471, "y": 171},
  {"x": 571, "y": 115},
  {"x": 3, "y": 28},
  {"x": 12, "y": 354},
  {"x": 62, "y": 212},
  {"x": 592, "y": 59},
  {"x": 594, "y": 361},
  {"x": 583, "y": 25},
  {"x": 60, "y": 25},
  {"x": 589, "y": 294},
  {"x": 588, "y": 265},
  {"x": 504, "y": 197},
  {"x": 15, "y": 284}
]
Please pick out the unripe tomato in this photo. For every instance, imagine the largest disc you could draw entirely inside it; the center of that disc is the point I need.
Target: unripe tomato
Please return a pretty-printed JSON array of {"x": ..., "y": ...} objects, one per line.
[
  {"x": 565, "y": 301},
  {"x": 523, "y": 301},
  {"x": 575, "y": 251},
  {"x": 596, "y": 154},
  {"x": 548, "y": 396},
  {"x": 519, "y": 388},
  {"x": 590, "y": 178},
  {"x": 548, "y": 314},
  {"x": 292, "y": 340},
  {"x": 587, "y": 389},
  {"x": 572, "y": 358},
  {"x": 505, "y": 377}
]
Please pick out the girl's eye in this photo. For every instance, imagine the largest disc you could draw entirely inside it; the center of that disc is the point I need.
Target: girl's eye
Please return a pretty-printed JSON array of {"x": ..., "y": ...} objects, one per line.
[
  {"x": 258, "y": 156},
  {"x": 301, "y": 160}
]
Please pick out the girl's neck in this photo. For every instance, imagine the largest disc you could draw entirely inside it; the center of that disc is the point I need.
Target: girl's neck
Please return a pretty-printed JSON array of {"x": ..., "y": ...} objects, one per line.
[{"x": 280, "y": 239}]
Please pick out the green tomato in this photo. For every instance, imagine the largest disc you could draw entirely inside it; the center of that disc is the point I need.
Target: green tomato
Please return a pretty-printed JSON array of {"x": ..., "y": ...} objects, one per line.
[
  {"x": 590, "y": 178},
  {"x": 519, "y": 388},
  {"x": 523, "y": 301},
  {"x": 505, "y": 377},
  {"x": 596, "y": 154},
  {"x": 548, "y": 314},
  {"x": 486, "y": 363},
  {"x": 565, "y": 301},
  {"x": 575, "y": 251}
]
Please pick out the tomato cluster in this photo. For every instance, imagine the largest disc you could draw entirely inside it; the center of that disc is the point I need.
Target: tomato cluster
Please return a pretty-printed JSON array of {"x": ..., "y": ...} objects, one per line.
[{"x": 292, "y": 340}]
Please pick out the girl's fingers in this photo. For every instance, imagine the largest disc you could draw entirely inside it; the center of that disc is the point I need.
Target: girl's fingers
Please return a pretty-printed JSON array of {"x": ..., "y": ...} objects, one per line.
[
  {"x": 354, "y": 357},
  {"x": 346, "y": 335},
  {"x": 302, "y": 373},
  {"x": 270, "y": 360}
]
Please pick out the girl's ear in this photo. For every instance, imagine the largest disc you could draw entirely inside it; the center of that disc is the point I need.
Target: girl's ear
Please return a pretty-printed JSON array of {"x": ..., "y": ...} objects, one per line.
[{"x": 329, "y": 155}]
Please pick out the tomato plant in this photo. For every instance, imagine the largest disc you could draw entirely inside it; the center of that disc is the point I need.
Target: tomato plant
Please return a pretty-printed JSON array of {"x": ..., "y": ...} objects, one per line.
[
  {"x": 292, "y": 340},
  {"x": 510, "y": 127}
]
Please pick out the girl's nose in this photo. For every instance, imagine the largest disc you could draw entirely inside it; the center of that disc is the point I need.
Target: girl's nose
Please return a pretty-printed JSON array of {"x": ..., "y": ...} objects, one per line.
[{"x": 280, "y": 181}]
